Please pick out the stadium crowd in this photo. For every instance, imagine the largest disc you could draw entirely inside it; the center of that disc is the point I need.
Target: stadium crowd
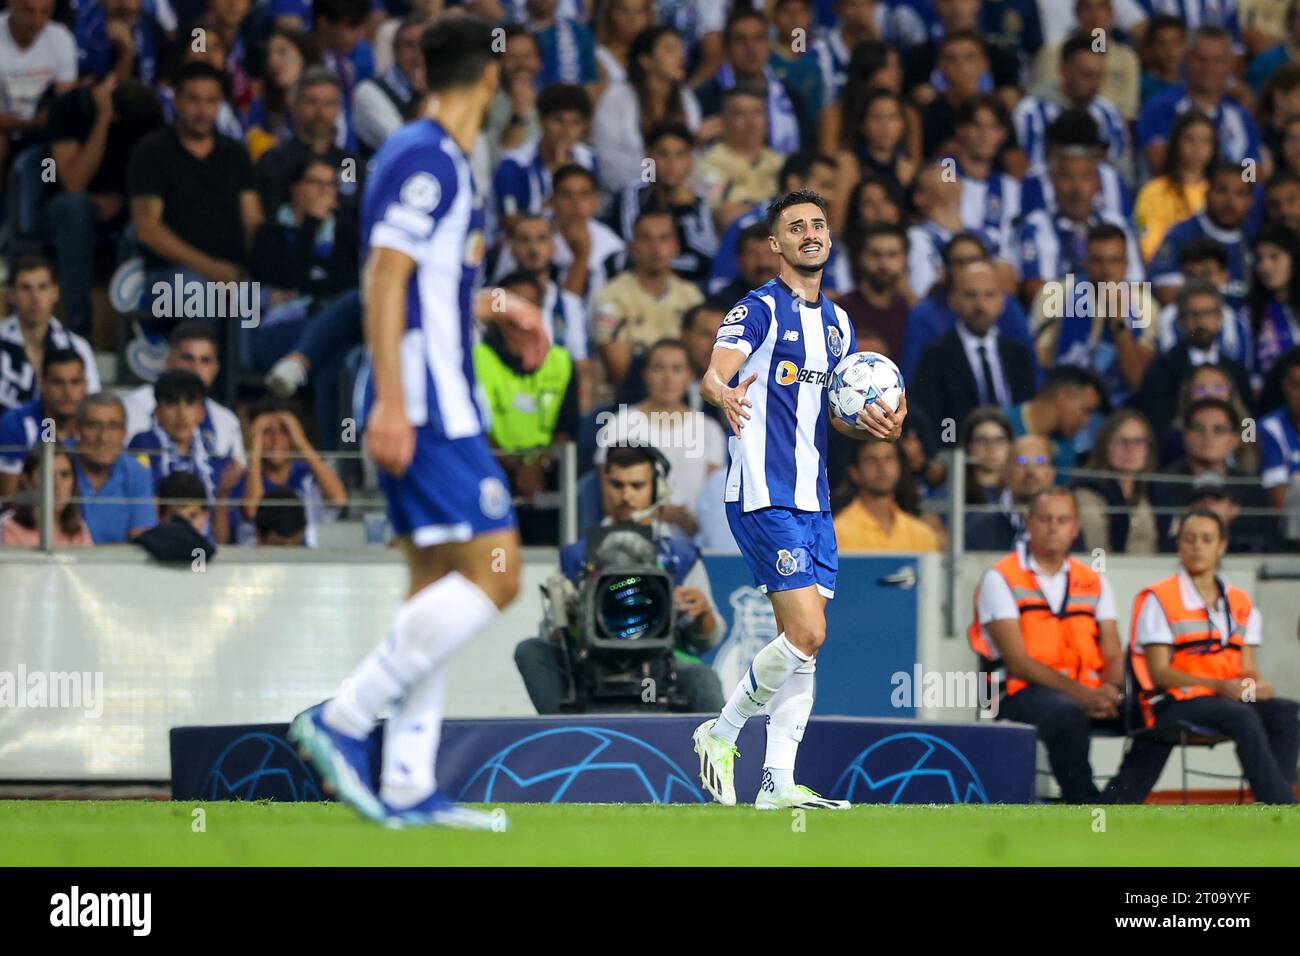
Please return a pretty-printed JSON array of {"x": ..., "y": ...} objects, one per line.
[{"x": 1074, "y": 224}]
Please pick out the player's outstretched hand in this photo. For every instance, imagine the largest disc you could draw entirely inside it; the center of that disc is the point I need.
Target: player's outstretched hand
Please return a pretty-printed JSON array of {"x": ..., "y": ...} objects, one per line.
[
  {"x": 390, "y": 439},
  {"x": 734, "y": 403},
  {"x": 879, "y": 420}
]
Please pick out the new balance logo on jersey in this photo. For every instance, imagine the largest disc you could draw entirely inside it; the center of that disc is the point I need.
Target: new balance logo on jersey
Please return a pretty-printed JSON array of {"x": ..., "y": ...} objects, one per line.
[
  {"x": 791, "y": 335},
  {"x": 787, "y": 373}
]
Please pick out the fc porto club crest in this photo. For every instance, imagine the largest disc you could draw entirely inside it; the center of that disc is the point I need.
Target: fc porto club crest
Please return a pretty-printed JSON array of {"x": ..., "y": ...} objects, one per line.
[
  {"x": 788, "y": 562},
  {"x": 493, "y": 499},
  {"x": 833, "y": 341}
]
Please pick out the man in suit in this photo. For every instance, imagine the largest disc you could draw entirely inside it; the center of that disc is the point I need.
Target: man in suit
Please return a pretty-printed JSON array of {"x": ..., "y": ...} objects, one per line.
[
  {"x": 973, "y": 365},
  {"x": 1200, "y": 320}
]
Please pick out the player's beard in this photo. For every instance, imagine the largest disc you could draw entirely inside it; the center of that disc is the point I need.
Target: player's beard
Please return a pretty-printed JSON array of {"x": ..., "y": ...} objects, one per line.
[{"x": 805, "y": 268}]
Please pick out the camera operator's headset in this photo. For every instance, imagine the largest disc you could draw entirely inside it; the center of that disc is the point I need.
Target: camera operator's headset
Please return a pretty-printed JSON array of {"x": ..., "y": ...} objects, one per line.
[{"x": 662, "y": 468}]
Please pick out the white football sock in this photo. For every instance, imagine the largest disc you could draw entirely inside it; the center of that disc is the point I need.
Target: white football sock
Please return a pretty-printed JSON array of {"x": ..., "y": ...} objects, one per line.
[
  {"x": 411, "y": 739},
  {"x": 427, "y": 630},
  {"x": 788, "y": 712},
  {"x": 772, "y": 666}
]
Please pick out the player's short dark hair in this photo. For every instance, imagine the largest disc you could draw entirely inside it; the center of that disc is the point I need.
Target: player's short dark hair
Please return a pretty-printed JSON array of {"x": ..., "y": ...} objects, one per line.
[
  {"x": 1079, "y": 43},
  {"x": 178, "y": 385},
  {"x": 185, "y": 486},
  {"x": 456, "y": 51},
  {"x": 280, "y": 512},
  {"x": 569, "y": 170},
  {"x": 1203, "y": 249},
  {"x": 562, "y": 97},
  {"x": 31, "y": 263},
  {"x": 1208, "y": 401},
  {"x": 521, "y": 277},
  {"x": 1106, "y": 232},
  {"x": 351, "y": 12},
  {"x": 60, "y": 357},
  {"x": 796, "y": 197},
  {"x": 197, "y": 70},
  {"x": 666, "y": 129},
  {"x": 628, "y": 456},
  {"x": 191, "y": 331}
]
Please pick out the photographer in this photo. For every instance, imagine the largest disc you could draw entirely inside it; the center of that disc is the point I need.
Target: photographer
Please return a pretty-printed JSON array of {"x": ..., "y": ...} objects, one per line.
[{"x": 628, "y": 483}]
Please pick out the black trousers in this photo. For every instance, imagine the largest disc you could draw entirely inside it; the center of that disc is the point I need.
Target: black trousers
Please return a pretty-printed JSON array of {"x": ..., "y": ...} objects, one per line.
[
  {"x": 1065, "y": 729},
  {"x": 1266, "y": 732},
  {"x": 542, "y": 665}
]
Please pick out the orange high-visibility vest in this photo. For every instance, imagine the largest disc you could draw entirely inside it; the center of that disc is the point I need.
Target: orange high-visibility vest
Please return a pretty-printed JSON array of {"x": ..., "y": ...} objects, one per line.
[
  {"x": 1065, "y": 639},
  {"x": 1198, "y": 647}
]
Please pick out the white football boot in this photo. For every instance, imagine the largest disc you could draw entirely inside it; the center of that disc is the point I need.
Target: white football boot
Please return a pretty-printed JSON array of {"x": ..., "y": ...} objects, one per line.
[{"x": 717, "y": 764}]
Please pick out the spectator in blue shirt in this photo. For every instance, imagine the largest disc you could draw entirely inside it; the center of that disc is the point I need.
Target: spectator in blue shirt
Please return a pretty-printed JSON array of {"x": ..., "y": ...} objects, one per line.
[
  {"x": 173, "y": 442},
  {"x": 568, "y": 47},
  {"x": 117, "y": 36},
  {"x": 51, "y": 416},
  {"x": 1279, "y": 433},
  {"x": 103, "y": 471},
  {"x": 522, "y": 182}
]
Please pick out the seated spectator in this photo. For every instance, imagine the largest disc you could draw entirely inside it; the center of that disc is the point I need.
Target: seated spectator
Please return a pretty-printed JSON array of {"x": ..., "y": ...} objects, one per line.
[
  {"x": 118, "y": 38},
  {"x": 92, "y": 132},
  {"x": 990, "y": 199},
  {"x": 986, "y": 436},
  {"x": 512, "y": 116},
  {"x": 241, "y": 28},
  {"x": 882, "y": 516},
  {"x": 857, "y": 22},
  {"x": 653, "y": 94},
  {"x": 281, "y": 458},
  {"x": 627, "y": 482},
  {"x": 693, "y": 443},
  {"x": 1178, "y": 193},
  {"x": 932, "y": 317},
  {"x": 1279, "y": 433},
  {"x": 213, "y": 52},
  {"x": 174, "y": 440},
  {"x": 1274, "y": 307},
  {"x": 341, "y": 28},
  {"x": 1003, "y": 52},
  {"x": 792, "y": 22},
  {"x": 1061, "y": 411},
  {"x": 1163, "y": 43},
  {"x": 881, "y": 296},
  {"x": 51, "y": 416},
  {"x": 20, "y": 527},
  {"x": 1123, "y": 69},
  {"x": 740, "y": 171},
  {"x": 1206, "y": 381},
  {"x": 192, "y": 347},
  {"x": 184, "y": 512},
  {"x": 645, "y": 303},
  {"x": 1282, "y": 193},
  {"x": 1116, "y": 512},
  {"x": 1193, "y": 653},
  {"x": 384, "y": 102},
  {"x": 877, "y": 146},
  {"x": 289, "y": 54},
  {"x": 756, "y": 264},
  {"x": 1076, "y": 133},
  {"x": 36, "y": 52},
  {"x": 937, "y": 198},
  {"x": 973, "y": 364},
  {"x": 568, "y": 47},
  {"x": 193, "y": 203},
  {"x": 672, "y": 189},
  {"x": 1281, "y": 44},
  {"x": 522, "y": 181},
  {"x": 961, "y": 63},
  {"x": 32, "y": 331},
  {"x": 533, "y": 414},
  {"x": 1207, "y": 259},
  {"x": 1200, "y": 320},
  {"x": 616, "y": 26},
  {"x": 1045, "y": 623},
  {"x": 316, "y": 108},
  {"x": 1246, "y": 535},
  {"x": 105, "y": 472},
  {"x": 281, "y": 520},
  {"x": 1028, "y": 471},
  {"x": 385, "y": 35},
  {"x": 1227, "y": 204}
]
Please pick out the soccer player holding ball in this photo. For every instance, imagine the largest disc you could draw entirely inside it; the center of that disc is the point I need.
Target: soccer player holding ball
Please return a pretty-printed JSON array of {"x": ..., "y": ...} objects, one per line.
[
  {"x": 773, "y": 360},
  {"x": 448, "y": 499}
]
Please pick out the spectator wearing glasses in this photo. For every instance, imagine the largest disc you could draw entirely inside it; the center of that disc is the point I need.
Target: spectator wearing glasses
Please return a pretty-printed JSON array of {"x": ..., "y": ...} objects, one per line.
[
  {"x": 1116, "y": 511},
  {"x": 1029, "y": 470},
  {"x": 987, "y": 439},
  {"x": 1207, "y": 381},
  {"x": 104, "y": 471}
]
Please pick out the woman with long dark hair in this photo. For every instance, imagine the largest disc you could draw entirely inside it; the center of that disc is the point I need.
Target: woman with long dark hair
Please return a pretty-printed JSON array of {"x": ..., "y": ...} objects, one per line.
[
  {"x": 1273, "y": 306},
  {"x": 986, "y": 437},
  {"x": 1116, "y": 511},
  {"x": 289, "y": 53},
  {"x": 21, "y": 526},
  {"x": 1178, "y": 193},
  {"x": 878, "y": 148},
  {"x": 618, "y": 24}
]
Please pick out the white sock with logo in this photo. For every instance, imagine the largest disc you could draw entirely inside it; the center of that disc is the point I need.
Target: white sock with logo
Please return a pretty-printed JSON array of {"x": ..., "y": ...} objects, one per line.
[
  {"x": 411, "y": 739},
  {"x": 771, "y": 668},
  {"x": 788, "y": 713}
]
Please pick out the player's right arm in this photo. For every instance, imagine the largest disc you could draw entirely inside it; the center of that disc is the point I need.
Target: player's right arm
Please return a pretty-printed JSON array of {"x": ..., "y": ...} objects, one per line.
[
  {"x": 724, "y": 365},
  {"x": 390, "y": 438}
]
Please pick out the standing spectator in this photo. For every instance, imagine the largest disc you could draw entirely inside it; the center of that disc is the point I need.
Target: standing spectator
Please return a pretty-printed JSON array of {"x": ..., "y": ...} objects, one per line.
[
  {"x": 20, "y": 527},
  {"x": 740, "y": 171},
  {"x": 568, "y": 48},
  {"x": 881, "y": 296},
  {"x": 522, "y": 182},
  {"x": 1178, "y": 193},
  {"x": 619, "y": 23},
  {"x": 987, "y": 438},
  {"x": 1279, "y": 433},
  {"x": 1061, "y": 410},
  {"x": 384, "y": 102},
  {"x": 672, "y": 189},
  {"x": 289, "y": 54},
  {"x": 626, "y": 112},
  {"x": 173, "y": 442},
  {"x": 1207, "y": 66},
  {"x": 50, "y": 416},
  {"x": 35, "y": 54},
  {"x": 193, "y": 203},
  {"x": 281, "y": 458},
  {"x": 118, "y": 37},
  {"x": 645, "y": 303},
  {"x": 973, "y": 365},
  {"x": 1193, "y": 653},
  {"x": 103, "y": 471},
  {"x": 32, "y": 331},
  {"x": 1117, "y": 513},
  {"x": 1028, "y": 471},
  {"x": 1227, "y": 204},
  {"x": 192, "y": 347},
  {"x": 1274, "y": 303},
  {"x": 882, "y": 515}
]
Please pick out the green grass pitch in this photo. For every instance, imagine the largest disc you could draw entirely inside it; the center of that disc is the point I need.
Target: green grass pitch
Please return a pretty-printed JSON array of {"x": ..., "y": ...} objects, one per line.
[{"x": 127, "y": 833}]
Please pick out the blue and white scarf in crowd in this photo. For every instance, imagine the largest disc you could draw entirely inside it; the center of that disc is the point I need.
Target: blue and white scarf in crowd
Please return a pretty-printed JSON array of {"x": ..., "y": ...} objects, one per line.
[
  {"x": 782, "y": 123},
  {"x": 1277, "y": 333},
  {"x": 170, "y": 458}
]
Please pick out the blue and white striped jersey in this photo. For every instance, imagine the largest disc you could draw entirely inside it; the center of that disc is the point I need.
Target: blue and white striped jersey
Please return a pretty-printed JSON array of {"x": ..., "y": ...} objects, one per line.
[
  {"x": 1033, "y": 115},
  {"x": 1052, "y": 247},
  {"x": 420, "y": 201},
  {"x": 1196, "y": 13},
  {"x": 1239, "y": 136},
  {"x": 793, "y": 346}
]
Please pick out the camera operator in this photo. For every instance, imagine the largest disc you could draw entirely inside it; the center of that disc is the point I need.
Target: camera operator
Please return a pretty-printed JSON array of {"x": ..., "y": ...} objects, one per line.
[{"x": 628, "y": 484}]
